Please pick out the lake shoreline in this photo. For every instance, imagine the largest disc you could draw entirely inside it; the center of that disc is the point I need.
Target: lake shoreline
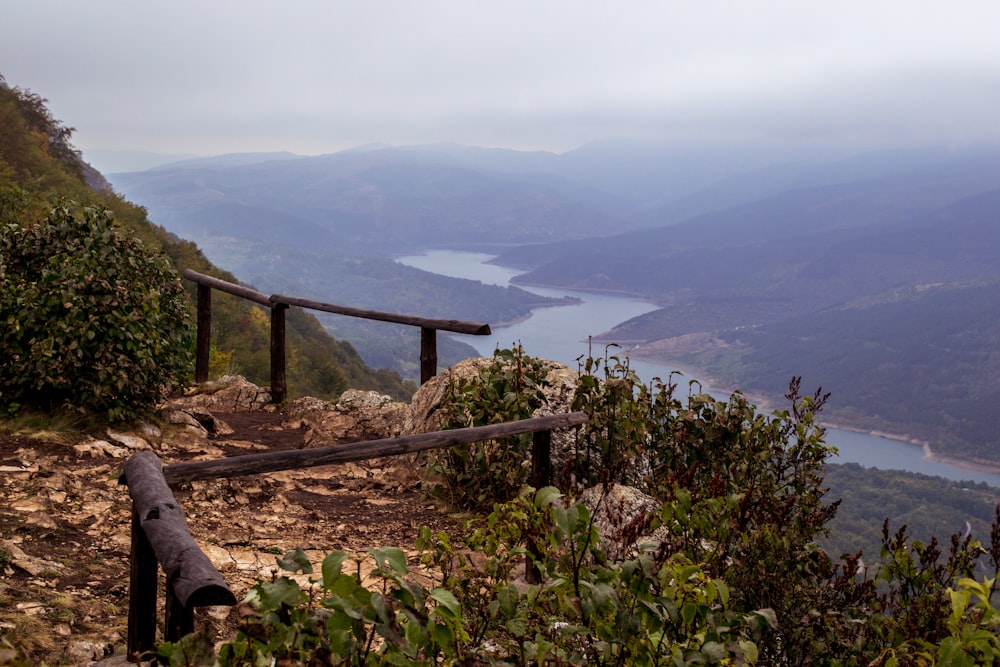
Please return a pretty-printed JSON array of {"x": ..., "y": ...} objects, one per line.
[
  {"x": 555, "y": 333},
  {"x": 768, "y": 404}
]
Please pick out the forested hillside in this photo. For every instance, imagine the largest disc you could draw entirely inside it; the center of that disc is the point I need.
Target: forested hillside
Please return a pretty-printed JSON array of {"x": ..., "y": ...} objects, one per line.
[
  {"x": 929, "y": 506},
  {"x": 883, "y": 290},
  {"x": 40, "y": 167}
]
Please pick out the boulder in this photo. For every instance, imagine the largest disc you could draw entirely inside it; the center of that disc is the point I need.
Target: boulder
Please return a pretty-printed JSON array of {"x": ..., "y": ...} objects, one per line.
[
  {"x": 230, "y": 393},
  {"x": 356, "y": 416},
  {"x": 621, "y": 516},
  {"x": 425, "y": 414}
]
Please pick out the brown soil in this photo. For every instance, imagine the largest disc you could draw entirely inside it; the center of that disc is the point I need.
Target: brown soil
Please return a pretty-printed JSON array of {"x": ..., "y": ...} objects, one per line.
[{"x": 64, "y": 529}]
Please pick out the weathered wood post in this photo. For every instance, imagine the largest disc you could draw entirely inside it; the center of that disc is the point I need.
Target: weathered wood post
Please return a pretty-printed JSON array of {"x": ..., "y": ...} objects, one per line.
[
  {"x": 428, "y": 354},
  {"x": 141, "y": 592},
  {"x": 177, "y": 619},
  {"x": 541, "y": 459},
  {"x": 160, "y": 535},
  {"x": 279, "y": 390},
  {"x": 541, "y": 475},
  {"x": 204, "y": 335}
]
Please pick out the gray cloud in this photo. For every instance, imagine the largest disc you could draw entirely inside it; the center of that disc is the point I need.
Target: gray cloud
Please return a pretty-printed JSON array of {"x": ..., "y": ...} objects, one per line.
[{"x": 313, "y": 76}]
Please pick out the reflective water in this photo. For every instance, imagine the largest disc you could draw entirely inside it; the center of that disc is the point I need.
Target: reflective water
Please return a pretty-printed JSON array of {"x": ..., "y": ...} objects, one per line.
[{"x": 561, "y": 334}]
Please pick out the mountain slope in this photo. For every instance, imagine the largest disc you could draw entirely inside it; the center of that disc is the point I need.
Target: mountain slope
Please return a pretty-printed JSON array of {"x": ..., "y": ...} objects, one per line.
[
  {"x": 380, "y": 201},
  {"x": 900, "y": 322},
  {"x": 38, "y": 163}
]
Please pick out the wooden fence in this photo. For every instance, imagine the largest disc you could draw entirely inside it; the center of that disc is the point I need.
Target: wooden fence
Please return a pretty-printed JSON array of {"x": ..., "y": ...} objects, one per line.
[
  {"x": 160, "y": 534},
  {"x": 278, "y": 303}
]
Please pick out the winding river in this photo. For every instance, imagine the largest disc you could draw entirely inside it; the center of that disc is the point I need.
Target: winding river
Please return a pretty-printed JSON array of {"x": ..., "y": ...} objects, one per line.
[{"x": 560, "y": 333}]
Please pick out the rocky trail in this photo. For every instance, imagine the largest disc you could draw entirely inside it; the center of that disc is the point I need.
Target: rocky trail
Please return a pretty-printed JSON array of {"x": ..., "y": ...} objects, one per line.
[{"x": 64, "y": 518}]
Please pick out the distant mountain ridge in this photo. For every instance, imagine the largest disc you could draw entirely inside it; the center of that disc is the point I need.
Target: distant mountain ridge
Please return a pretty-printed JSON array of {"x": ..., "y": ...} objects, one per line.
[
  {"x": 880, "y": 289},
  {"x": 380, "y": 200}
]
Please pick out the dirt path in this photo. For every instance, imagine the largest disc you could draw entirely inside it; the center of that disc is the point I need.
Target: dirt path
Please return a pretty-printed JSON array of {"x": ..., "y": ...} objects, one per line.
[{"x": 64, "y": 527}]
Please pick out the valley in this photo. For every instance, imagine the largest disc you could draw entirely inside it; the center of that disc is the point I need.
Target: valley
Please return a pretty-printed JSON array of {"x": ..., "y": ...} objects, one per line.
[{"x": 874, "y": 276}]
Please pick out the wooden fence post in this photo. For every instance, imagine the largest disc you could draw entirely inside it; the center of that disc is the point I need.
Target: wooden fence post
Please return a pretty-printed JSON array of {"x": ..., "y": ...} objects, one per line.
[
  {"x": 541, "y": 475},
  {"x": 428, "y": 354},
  {"x": 178, "y": 620},
  {"x": 141, "y": 592},
  {"x": 204, "y": 332},
  {"x": 541, "y": 459},
  {"x": 279, "y": 389}
]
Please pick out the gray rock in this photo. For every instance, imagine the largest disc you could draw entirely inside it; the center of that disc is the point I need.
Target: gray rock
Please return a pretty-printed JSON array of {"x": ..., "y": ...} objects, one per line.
[
  {"x": 83, "y": 652},
  {"x": 212, "y": 424},
  {"x": 128, "y": 440},
  {"x": 621, "y": 516},
  {"x": 426, "y": 407},
  {"x": 231, "y": 393},
  {"x": 427, "y": 412},
  {"x": 183, "y": 418},
  {"x": 100, "y": 448},
  {"x": 357, "y": 415}
]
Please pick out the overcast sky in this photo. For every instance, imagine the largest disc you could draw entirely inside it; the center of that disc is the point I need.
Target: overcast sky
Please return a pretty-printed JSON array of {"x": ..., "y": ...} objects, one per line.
[{"x": 317, "y": 76}]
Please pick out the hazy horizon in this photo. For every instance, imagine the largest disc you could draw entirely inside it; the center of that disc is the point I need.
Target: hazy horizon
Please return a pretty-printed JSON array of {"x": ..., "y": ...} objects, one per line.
[{"x": 314, "y": 77}]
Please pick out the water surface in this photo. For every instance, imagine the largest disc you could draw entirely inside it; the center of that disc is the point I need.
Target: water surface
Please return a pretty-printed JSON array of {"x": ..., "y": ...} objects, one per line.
[{"x": 561, "y": 333}]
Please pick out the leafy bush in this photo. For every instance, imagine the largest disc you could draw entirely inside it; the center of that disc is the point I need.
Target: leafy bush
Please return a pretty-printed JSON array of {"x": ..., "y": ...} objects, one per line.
[
  {"x": 477, "y": 475},
  {"x": 645, "y": 611},
  {"x": 91, "y": 318},
  {"x": 734, "y": 575},
  {"x": 656, "y": 608}
]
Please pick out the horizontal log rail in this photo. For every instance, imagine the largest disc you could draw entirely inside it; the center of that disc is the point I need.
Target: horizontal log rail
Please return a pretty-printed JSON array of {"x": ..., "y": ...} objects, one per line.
[
  {"x": 228, "y": 287},
  {"x": 160, "y": 536},
  {"x": 456, "y": 326},
  {"x": 278, "y": 303},
  {"x": 251, "y": 464}
]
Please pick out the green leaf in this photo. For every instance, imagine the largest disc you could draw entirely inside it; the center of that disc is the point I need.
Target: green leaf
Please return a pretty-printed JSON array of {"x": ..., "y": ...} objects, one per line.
[
  {"x": 447, "y": 600},
  {"x": 280, "y": 592},
  {"x": 714, "y": 650},
  {"x": 951, "y": 654},
  {"x": 546, "y": 496},
  {"x": 768, "y": 615},
  {"x": 393, "y": 557},
  {"x": 749, "y": 650},
  {"x": 295, "y": 561},
  {"x": 689, "y": 611},
  {"x": 331, "y": 568}
]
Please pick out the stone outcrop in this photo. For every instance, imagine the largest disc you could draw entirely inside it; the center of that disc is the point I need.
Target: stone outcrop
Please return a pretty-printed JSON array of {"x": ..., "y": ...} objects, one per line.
[
  {"x": 357, "y": 415},
  {"x": 231, "y": 393},
  {"x": 426, "y": 412},
  {"x": 621, "y": 516}
]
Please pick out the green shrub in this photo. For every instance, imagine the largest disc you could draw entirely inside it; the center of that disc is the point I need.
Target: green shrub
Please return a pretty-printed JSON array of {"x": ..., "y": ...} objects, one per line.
[
  {"x": 90, "y": 318},
  {"x": 645, "y": 611},
  {"x": 477, "y": 475}
]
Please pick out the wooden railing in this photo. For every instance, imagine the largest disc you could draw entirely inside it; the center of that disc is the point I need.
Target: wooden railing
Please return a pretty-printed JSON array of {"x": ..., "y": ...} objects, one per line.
[
  {"x": 160, "y": 533},
  {"x": 278, "y": 303}
]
